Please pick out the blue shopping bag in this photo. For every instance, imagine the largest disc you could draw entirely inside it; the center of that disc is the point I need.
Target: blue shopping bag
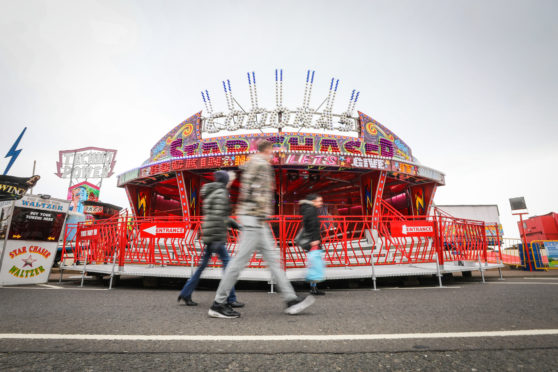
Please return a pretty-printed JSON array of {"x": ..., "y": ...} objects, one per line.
[{"x": 316, "y": 266}]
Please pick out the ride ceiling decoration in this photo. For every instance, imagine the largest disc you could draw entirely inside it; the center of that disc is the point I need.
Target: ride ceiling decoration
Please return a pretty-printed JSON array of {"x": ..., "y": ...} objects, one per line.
[
  {"x": 375, "y": 147},
  {"x": 258, "y": 118},
  {"x": 185, "y": 139}
]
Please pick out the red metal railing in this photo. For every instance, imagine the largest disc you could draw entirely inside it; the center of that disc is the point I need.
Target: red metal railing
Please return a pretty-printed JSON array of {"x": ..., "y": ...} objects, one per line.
[{"x": 346, "y": 240}]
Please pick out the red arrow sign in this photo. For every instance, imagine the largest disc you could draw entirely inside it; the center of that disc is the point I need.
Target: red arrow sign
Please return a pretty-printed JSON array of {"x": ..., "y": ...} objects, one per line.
[
  {"x": 412, "y": 228},
  {"x": 163, "y": 230}
]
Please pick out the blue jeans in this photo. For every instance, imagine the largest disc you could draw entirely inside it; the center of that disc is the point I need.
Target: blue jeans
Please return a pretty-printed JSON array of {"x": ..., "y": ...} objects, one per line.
[{"x": 192, "y": 283}]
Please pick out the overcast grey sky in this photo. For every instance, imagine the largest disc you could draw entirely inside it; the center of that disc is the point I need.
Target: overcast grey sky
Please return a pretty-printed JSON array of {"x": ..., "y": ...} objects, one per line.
[{"x": 471, "y": 86}]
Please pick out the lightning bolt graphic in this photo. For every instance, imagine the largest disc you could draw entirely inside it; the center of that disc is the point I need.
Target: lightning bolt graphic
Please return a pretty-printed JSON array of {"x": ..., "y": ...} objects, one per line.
[
  {"x": 368, "y": 196},
  {"x": 142, "y": 204},
  {"x": 13, "y": 153},
  {"x": 419, "y": 200},
  {"x": 193, "y": 197}
]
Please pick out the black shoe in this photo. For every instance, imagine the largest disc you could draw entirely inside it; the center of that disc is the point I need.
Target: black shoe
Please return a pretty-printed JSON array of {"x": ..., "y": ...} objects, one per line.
[
  {"x": 236, "y": 304},
  {"x": 222, "y": 311},
  {"x": 316, "y": 292},
  {"x": 188, "y": 301},
  {"x": 299, "y": 304}
]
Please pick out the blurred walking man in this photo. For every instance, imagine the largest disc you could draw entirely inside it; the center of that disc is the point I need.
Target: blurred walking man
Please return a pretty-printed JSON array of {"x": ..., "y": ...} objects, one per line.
[{"x": 255, "y": 205}]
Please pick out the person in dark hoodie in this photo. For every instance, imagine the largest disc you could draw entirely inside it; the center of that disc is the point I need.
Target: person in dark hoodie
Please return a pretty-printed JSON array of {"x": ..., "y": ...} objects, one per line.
[
  {"x": 216, "y": 211},
  {"x": 310, "y": 222}
]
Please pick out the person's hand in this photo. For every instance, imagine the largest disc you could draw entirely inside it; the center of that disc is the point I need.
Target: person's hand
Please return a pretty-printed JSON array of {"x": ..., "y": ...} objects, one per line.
[{"x": 315, "y": 243}]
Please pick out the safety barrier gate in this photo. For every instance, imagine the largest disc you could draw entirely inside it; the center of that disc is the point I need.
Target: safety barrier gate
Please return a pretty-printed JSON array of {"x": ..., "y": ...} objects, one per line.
[
  {"x": 346, "y": 240},
  {"x": 539, "y": 255}
]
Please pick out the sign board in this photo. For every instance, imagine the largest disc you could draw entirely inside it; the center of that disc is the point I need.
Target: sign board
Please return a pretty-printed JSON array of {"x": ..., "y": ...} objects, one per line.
[
  {"x": 93, "y": 209},
  {"x": 86, "y": 163},
  {"x": 163, "y": 230},
  {"x": 12, "y": 188},
  {"x": 552, "y": 253},
  {"x": 518, "y": 203},
  {"x": 32, "y": 234},
  {"x": 27, "y": 262},
  {"x": 412, "y": 228},
  {"x": 81, "y": 192},
  {"x": 89, "y": 234}
]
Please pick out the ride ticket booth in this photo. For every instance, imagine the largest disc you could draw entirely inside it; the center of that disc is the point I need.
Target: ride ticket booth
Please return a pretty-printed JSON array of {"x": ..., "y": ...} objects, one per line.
[{"x": 30, "y": 229}]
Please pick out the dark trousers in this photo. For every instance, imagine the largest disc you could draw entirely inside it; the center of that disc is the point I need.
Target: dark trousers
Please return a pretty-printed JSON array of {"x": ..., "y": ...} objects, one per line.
[{"x": 192, "y": 283}]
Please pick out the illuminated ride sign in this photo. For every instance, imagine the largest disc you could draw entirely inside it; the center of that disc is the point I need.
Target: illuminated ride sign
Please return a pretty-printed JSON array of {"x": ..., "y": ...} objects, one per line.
[
  {"x": 87, "y": 162},
  {"x": 339, "y": 152},
  {"x": 375, "y": 147}
]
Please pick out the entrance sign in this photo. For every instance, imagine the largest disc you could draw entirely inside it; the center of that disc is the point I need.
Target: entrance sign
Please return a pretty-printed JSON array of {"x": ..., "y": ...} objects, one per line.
[
  {"x": 163, "y": 230},
  {"x": 412, "y": 228},
  {"x": 31, "y": 239}
]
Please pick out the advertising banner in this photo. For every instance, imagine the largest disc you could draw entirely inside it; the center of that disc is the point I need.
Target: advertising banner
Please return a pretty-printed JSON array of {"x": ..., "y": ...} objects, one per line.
[
  {"x": 552, "y": 253},
  {"x": 81, "y": 192}
]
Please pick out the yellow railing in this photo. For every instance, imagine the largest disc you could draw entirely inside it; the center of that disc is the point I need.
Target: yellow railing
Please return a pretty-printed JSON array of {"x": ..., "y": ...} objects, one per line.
[{"x": 547, "y": 263}]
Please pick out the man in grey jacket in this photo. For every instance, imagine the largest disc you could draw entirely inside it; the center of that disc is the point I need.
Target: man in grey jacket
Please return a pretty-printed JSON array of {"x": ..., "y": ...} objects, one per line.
[{"x": 255, "y": 206}]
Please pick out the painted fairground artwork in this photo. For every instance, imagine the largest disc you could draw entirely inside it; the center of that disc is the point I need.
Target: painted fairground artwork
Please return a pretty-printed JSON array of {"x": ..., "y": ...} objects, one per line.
[{"x": 81, "y": 192}]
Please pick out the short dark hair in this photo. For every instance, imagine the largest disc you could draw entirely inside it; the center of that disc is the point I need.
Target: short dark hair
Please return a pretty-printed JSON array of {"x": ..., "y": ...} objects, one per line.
[
  {"x": 264, "y": 145},
  {"x": 312, "y": 197}
]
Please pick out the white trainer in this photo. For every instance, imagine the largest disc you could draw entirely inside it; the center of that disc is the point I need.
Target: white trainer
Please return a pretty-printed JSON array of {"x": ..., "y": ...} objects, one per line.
[{"x": 299, "y": 304}]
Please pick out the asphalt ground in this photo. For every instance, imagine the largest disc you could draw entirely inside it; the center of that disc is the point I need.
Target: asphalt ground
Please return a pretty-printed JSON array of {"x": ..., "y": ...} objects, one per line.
[{"x": 522, "y": 302}]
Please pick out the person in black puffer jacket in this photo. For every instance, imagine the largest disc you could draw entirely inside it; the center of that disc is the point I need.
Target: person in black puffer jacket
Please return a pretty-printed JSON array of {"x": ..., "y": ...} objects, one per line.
[
  {"x": 311, "y": 224},
  {"x": 216, "y": 222}
]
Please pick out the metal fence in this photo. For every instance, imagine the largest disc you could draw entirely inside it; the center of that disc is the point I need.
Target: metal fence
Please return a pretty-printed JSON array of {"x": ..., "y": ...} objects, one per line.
[{"x": 346, "y": 240}]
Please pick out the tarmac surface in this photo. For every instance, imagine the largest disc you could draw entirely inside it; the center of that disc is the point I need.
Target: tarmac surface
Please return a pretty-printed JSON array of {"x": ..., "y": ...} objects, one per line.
[{"x": 403, "y": 326}]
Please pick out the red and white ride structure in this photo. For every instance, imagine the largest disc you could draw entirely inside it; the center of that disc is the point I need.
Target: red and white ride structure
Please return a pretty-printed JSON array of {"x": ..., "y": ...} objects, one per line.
[{"x": 377, "y": 218}]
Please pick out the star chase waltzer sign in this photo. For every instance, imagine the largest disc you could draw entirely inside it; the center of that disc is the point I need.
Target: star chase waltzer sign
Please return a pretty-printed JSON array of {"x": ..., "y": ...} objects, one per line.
[{"x": 31, "y": 232}]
